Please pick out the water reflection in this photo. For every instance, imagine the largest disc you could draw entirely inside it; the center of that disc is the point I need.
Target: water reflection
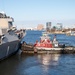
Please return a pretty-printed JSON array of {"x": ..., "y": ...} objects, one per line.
[
  {"x": 38, "y": 64},
  {"x": 49, "y": 59}
]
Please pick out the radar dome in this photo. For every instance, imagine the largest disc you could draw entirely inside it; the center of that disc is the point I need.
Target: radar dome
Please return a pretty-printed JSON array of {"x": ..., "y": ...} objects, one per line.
[{"x": 2, "y": 12}]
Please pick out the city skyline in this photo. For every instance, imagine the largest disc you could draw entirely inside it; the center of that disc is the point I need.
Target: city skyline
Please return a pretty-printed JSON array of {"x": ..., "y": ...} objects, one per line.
[{"x": 30, "y": 13}]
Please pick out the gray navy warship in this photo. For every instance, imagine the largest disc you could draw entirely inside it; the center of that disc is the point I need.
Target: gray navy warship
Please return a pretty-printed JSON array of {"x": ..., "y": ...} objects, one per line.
[{"x": 10, "y": 37}]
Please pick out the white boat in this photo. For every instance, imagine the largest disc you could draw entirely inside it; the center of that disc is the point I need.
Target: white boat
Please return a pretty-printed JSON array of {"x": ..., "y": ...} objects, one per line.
[{"x": 70, "y": 33}]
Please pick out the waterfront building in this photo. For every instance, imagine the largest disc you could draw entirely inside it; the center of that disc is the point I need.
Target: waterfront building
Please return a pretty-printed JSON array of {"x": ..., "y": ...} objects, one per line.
[
  {"x": 40, "y": 27},
  {"x": 59, "y": 26},
  {"x": 48, "y": 26}
]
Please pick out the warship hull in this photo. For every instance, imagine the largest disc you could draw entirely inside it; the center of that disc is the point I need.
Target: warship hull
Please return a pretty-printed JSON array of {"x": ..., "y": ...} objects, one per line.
[
  {"x": 8, "y": 49},
  {"x": 10, "y": 37}
]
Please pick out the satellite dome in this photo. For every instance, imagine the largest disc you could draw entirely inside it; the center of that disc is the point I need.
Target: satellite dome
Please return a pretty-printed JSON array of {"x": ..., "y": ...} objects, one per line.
[{"x": 2, "y": 12}]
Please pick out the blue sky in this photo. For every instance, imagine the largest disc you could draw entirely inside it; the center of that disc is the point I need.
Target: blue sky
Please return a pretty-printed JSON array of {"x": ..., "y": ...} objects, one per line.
[{"x": 30, "y": 13}]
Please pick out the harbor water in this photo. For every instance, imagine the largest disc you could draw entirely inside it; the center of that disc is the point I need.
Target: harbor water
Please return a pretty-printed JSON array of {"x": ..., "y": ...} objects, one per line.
[
  {"x": 40, "y": 64},
  {"x": 32, "y": 36}
]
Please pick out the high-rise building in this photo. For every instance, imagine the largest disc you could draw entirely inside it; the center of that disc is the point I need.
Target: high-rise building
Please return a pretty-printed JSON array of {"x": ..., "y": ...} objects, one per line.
[
  {"x": 48, "y": 26},
  {"x": 59, "y": 26},
  {"x": 40, "y": 27}
]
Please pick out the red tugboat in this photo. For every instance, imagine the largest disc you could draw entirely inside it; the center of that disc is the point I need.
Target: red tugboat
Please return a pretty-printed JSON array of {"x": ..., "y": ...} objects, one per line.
[{"x": 45, "y": 42}]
